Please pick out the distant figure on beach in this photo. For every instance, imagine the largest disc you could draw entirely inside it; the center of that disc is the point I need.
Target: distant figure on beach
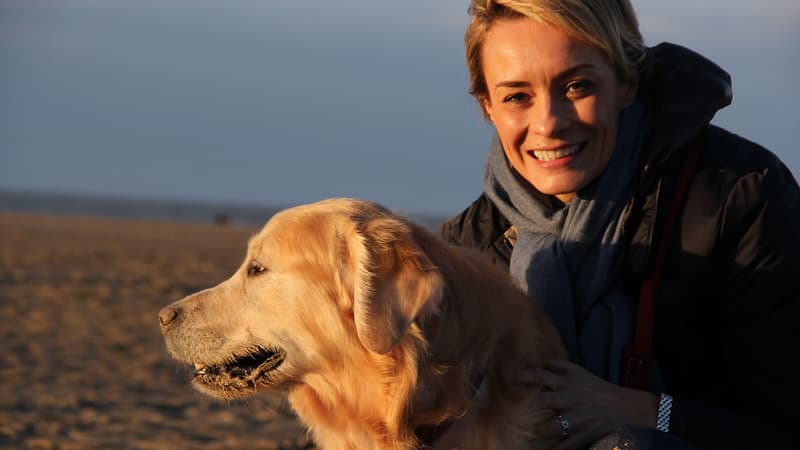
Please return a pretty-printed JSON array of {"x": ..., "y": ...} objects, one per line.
[
  {"x": 221, "y": 219},
  {"x": 665, "y": 249}
]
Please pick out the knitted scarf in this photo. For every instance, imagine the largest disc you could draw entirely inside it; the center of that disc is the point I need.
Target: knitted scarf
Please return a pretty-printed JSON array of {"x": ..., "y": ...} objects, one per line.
[{"x": 567, "y": 259}]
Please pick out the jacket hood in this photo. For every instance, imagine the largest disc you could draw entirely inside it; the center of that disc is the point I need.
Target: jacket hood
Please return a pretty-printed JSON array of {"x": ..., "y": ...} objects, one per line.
[{"x": 683, "y": 91}]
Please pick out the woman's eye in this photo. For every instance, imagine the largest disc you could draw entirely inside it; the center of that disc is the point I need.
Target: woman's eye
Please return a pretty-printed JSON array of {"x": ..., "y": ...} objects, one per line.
[
  {"x": 255, "y": 269},
  {"x": 579, "y": 87},
  {"x": 518, "y": 98}
]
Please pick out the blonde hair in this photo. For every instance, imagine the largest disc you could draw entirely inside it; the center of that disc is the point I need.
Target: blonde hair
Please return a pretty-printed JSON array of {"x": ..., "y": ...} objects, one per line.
[{"x": 608, "y": 25}]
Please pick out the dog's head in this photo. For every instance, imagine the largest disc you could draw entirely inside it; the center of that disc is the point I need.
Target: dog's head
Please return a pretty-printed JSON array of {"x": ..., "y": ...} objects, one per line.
[{"x": 321, "y": 285}]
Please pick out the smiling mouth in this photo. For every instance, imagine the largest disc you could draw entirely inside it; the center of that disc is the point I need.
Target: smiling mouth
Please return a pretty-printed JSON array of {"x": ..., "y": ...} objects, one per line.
[
  {"x": 552, "y": 155},
  {"x": 241, "y": 375}
]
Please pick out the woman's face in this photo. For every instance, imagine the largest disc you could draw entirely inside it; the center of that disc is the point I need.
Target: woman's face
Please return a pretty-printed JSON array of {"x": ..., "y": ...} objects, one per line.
[{"x": 555, "y": 102}]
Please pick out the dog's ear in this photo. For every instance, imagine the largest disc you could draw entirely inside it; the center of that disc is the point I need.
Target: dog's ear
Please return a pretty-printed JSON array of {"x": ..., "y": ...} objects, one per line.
[{"x": 395, "y": 282}]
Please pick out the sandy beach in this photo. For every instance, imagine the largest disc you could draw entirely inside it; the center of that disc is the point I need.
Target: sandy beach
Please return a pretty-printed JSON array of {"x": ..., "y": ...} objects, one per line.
[{"x": 83, "y": 364}]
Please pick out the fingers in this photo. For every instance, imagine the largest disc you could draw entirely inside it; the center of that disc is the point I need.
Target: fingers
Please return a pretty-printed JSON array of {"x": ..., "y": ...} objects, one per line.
[
  {"x": 555, "y": 401},
  {"x": 572, "y": 432},
  {"x": 552, "y": 430},
  {"x": 571, "y": 442},
  {"x": 566, "y": 432},
  {"x": 578, "y": 439},
  {"x": 541, "y": 377},
  {"x": 548, "y": 374},
  {"x": 563, "y": 425},
  {"x": 561, "y": 366},
  {"x": 590, "y": 406}
]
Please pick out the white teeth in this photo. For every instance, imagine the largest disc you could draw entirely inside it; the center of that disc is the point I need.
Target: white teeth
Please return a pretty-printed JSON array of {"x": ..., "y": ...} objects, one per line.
[{"x": 550, "y": 155}]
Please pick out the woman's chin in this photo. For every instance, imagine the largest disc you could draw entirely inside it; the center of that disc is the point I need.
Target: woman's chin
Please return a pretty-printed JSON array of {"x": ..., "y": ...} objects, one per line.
[{"x": 563, "y": 186}]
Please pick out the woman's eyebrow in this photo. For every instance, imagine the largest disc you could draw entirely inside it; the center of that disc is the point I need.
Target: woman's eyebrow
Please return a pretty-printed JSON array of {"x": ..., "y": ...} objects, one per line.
[
  {"x": 512, "y": 84},
  {"x": 577, "y": 68},
  {"x": 565, "y": 74}
]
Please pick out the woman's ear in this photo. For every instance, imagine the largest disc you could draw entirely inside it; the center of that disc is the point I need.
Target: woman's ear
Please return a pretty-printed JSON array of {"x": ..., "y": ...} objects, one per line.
[{"x": 488, "y": 112}]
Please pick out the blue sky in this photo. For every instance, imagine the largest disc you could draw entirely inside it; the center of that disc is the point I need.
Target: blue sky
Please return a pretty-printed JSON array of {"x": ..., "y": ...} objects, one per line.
[{"x": 277, "y": 102}]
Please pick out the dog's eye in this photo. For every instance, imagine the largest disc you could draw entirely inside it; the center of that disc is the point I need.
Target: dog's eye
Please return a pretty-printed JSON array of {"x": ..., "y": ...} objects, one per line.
[{"x": 255, "y": 269}]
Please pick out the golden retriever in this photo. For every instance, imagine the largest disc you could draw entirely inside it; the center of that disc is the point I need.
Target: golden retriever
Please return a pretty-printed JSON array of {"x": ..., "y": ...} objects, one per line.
[{"x": 381, "y": 335}]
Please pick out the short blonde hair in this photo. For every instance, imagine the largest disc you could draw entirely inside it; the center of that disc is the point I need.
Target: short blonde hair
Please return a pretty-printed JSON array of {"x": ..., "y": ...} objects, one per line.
[{"x": 609, "y": 25}]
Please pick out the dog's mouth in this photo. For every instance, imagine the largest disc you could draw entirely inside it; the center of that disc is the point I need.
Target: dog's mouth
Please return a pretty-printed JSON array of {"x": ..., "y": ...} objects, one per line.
[{"x": 241, "y": 375}]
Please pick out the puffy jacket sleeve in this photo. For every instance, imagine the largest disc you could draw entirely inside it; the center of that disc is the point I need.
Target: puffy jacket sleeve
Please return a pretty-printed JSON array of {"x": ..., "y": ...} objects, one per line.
[{"x": 754, "y": 315}]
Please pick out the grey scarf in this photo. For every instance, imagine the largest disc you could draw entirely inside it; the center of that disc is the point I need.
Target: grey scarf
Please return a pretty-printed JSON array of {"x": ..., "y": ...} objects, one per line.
[{"x": 567, "y": 259}]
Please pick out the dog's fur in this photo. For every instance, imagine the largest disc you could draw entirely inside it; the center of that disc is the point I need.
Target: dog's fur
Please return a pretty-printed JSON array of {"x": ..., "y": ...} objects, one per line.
[{"x": 378, "y": 329}]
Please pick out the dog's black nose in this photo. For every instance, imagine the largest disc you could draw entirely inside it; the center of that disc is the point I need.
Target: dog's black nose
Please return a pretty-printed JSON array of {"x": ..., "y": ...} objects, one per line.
[{"x": 167, "y": 315}]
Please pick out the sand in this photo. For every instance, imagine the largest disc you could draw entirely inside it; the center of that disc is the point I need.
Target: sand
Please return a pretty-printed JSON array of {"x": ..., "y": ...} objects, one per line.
[{"x": 83, "y": 364}]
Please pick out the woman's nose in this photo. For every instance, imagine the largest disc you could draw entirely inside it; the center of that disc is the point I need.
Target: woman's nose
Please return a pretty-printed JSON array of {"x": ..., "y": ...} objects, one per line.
[{"x": 548, "y": 116}]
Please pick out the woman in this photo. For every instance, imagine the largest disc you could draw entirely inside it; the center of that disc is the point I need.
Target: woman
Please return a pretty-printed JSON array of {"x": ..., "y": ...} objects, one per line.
[{"x": 606, "y": 174}]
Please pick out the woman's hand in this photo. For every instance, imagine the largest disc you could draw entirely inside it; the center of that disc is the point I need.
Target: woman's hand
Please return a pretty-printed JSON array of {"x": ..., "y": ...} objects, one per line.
[{"x": 591, "y": 406}]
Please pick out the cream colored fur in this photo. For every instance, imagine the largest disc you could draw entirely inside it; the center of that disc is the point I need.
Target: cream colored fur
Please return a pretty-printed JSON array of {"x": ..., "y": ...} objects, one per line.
[{"x": 384, "y": 329}]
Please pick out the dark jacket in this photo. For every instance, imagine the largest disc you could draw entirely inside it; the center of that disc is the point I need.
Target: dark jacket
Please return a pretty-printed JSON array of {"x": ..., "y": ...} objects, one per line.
[{"x": 727, "y": 327}]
